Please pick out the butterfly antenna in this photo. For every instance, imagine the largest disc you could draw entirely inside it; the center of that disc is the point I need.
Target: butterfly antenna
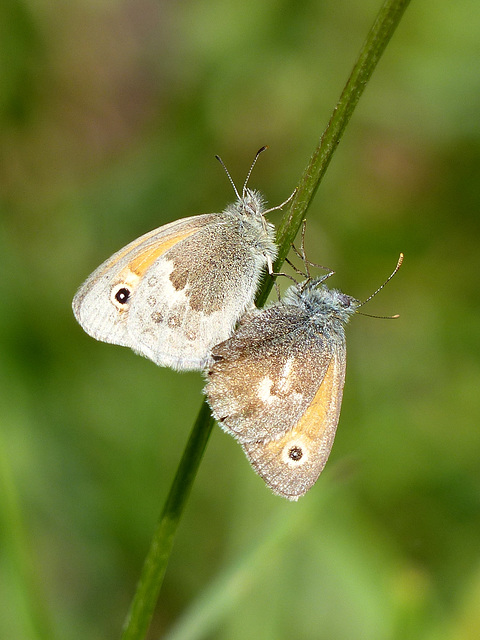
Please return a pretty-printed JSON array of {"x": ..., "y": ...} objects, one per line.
[
  {"x": 230, "y": 177},
  {"x": 264, "y": 148},
  {"x": 399, "y": 264},
  {"x": 369, "y": 315}
]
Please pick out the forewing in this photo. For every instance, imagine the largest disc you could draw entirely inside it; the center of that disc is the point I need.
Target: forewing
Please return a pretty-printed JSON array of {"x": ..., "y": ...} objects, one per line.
[
  {"x": 266, "y": 375},
  {"x": 93, "y": 306},
  {"x": 290, "y": 465}
]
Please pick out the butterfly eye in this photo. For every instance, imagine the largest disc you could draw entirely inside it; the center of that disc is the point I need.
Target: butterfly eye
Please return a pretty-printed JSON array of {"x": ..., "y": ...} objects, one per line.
[
  {"x": 345, "y": 300},
  {"x": 120, "y": 296}
]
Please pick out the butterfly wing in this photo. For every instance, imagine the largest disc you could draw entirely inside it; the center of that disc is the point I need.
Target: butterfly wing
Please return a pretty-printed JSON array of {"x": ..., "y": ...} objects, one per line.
[
  {"x": 93, "y": 305},
  {"x": 266, "y": 375},
  {"x": 290, "y": 465},
  {"x": 175, "y": 292}
]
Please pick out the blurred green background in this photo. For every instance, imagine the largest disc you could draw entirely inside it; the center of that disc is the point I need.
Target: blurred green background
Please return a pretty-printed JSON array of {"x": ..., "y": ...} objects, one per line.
[{"x": 111, "y": 113}]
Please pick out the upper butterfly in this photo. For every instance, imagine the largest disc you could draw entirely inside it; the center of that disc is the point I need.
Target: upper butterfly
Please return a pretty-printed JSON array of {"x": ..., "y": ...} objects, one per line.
[{"x": 174, "y": 293}]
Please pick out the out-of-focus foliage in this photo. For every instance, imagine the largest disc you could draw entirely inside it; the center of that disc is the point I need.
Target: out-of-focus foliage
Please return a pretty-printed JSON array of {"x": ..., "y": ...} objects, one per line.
[{"x": 110, "y": 115}]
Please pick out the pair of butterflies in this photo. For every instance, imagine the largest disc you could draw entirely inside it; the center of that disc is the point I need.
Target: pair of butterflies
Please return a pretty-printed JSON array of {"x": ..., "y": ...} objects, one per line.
[{"x": 182, "y": 296}]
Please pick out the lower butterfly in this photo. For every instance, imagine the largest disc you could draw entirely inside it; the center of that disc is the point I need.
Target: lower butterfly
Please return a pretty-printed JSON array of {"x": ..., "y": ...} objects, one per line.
[{"x": 276, "y": 385}]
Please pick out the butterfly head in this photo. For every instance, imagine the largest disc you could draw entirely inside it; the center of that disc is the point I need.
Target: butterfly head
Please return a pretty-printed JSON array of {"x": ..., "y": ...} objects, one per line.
[{"x": 322, "y": 305}]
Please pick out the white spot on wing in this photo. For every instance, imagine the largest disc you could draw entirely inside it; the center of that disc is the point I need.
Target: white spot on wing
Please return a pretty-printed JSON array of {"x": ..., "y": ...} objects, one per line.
[
  {"x": 287, "y": 367},
  {"x": 284, "y": 383},
  {"x": 282, "y": 388},
  {"x": 264, "y": 388}
]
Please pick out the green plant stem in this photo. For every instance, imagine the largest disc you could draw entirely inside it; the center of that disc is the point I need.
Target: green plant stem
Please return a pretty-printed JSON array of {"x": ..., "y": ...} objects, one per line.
[{"x": 143, "y": 605}]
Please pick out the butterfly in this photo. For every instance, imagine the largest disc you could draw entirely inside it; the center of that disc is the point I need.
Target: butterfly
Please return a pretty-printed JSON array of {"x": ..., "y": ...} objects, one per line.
[
  {"x": 276, "y": 384},
  {"x": 177, "y": 291}
]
